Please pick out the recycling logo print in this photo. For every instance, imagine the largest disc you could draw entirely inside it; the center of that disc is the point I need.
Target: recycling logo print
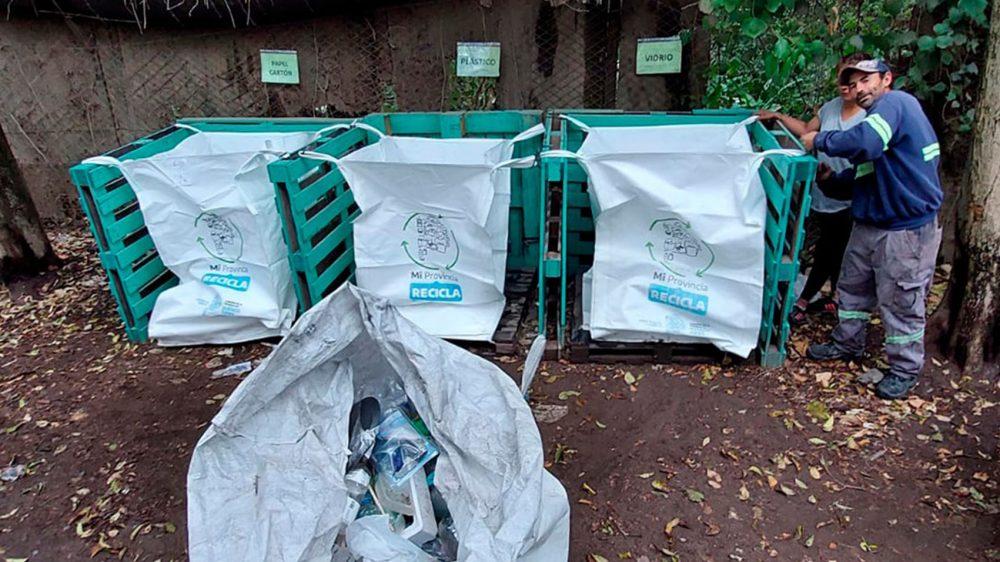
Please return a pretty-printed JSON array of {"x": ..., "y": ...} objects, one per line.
[
  {"x": 429, "y": 243},
  {"x": 219, "y": 237},
  {"x": 676, "y": 248}
]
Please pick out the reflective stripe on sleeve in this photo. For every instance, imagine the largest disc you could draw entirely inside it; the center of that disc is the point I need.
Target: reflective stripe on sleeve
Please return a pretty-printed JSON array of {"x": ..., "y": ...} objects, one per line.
[
  {"x": 881, "y": 127},
  {"x": 931, "y": 151}
]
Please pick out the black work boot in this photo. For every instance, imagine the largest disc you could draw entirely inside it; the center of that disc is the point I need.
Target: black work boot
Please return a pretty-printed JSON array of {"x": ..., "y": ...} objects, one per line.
[
  {"x": 895, "y": 387},
  {"x": 829, "y": 352}
]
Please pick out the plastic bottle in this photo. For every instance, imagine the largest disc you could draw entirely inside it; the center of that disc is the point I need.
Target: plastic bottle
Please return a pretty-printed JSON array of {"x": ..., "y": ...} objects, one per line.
[
  {"x": 356, "y": 482},
  {"x": 368, "y": 506}
]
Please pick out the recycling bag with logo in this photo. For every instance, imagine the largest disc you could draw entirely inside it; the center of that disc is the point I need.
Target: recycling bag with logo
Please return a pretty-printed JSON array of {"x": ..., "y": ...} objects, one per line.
[
  {"x": 432, "y": 234},
  {"x": 209, "y": 207},
  {"x": 679, "y": 234}
]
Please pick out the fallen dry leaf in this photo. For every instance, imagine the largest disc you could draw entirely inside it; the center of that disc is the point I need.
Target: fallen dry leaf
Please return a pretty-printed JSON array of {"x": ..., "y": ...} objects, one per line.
[{"x": 694, "y": 495}]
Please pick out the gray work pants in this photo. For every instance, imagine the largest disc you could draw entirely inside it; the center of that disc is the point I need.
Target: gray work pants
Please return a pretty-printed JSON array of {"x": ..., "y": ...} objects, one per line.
[{"x": 893, "y": 269}]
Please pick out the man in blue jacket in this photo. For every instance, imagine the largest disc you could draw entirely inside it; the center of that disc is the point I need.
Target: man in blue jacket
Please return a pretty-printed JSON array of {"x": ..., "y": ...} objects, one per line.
[{"x": 893, "y": 247}]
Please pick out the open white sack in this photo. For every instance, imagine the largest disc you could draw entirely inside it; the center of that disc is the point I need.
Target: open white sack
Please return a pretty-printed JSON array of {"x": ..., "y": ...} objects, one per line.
[
  {"x": 209, "y": 207},
  {"x": 266, "y": 482},
  {"x": 432, "y": 234},
  {"x": 679, "y": 235}
]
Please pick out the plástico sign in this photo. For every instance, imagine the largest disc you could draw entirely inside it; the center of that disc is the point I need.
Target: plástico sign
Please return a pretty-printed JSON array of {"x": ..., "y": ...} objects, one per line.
[
  {"x": 279, "y": 67},
  {"x": 478, "y": 59},
  {"x": 658, "y": 55}
]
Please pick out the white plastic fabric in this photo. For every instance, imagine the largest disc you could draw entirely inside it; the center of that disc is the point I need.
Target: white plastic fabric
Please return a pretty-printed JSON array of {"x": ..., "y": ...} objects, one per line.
[
  {"x": 679, "y": 234},
  {"x": 266, "y": 482},
  {"x": 432, "y": 234},
  {"x": 209, "y": 207}
]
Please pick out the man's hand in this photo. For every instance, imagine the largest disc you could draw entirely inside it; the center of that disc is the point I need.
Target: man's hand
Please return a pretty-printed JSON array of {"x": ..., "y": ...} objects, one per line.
[
  {"x": 767, "y": 114},
  {"x": 807, "y": 140}
]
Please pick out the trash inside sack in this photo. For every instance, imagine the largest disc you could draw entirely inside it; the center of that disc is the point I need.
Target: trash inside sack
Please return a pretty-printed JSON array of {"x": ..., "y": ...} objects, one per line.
[
  {"x": 400, "y": 450},
  {"x": 390, "y": 471}
]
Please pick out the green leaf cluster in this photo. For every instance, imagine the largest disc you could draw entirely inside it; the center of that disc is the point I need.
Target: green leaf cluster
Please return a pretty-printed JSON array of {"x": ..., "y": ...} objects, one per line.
[{"x": 781, "y": 54}]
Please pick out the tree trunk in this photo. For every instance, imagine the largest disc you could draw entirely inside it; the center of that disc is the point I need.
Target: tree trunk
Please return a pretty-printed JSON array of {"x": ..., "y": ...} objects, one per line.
[
  {"x": 24, "y": 248},
  {"x": 968, "y": 319}
]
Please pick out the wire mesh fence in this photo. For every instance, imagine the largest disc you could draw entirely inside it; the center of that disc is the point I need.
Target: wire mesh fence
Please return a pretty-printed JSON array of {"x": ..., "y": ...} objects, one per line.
[
  {"x": 583, "y": 55},
  {"x": 74, "y": 88}
]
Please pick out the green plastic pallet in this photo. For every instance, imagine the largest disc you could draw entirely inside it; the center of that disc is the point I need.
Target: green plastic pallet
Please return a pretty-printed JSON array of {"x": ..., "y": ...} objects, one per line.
[
  {"x": 136, "y": 273},
  {"x": 317, "y": 207},
  {"x": 569, "y": 230}
]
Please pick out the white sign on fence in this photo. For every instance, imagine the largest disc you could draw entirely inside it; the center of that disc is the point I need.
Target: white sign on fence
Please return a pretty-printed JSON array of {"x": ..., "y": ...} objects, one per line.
[
  {"x": 478, "y": 59},
  {"x": 279, "y": 67},
  {"x": 658, "y": 55}
]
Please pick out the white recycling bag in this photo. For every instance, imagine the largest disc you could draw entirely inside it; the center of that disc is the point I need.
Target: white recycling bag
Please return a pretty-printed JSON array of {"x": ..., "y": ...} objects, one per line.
[
  {"x": 432, "y": 234},
  {"x": 266, "y": 481},
  {"x": 209, "y": 207},
  {"x": 679, "y": 234}
]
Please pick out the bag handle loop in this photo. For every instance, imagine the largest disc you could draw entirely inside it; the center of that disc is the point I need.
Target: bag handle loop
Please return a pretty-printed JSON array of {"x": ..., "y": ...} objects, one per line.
[{"x": 352, "y": 125}]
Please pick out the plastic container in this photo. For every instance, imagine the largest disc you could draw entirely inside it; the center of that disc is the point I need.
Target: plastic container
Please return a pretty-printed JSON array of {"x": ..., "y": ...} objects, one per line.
[
  {"x": 413, "y": 502},
  {"x": 400, "y": 450}
]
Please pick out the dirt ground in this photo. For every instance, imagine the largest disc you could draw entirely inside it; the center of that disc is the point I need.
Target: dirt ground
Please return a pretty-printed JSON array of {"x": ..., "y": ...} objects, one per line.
[{"x": 661, "y": 462}]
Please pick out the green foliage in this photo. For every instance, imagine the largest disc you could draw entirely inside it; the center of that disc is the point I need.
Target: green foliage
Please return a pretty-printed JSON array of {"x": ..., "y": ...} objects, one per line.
[
  {"x": 470, "y": 94},
  {"x": 944, "y": 60},
  {"x": 390, "y": 101},
  {"x": 780, "y": 54}
]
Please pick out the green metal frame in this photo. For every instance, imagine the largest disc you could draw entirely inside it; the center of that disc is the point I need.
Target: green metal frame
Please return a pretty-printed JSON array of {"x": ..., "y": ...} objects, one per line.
[
  {"x": 786, "y": 180},
  {"x": 136, "y": 274},
  {"x": 317, "y": 208}
]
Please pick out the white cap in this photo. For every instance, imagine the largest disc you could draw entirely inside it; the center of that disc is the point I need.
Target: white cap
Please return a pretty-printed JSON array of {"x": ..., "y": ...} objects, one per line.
[{"x": 359, "y": 477}]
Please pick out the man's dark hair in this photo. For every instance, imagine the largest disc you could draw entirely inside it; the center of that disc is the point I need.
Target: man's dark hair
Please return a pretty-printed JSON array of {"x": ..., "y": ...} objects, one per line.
[{"x": 854, "y": 58}]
